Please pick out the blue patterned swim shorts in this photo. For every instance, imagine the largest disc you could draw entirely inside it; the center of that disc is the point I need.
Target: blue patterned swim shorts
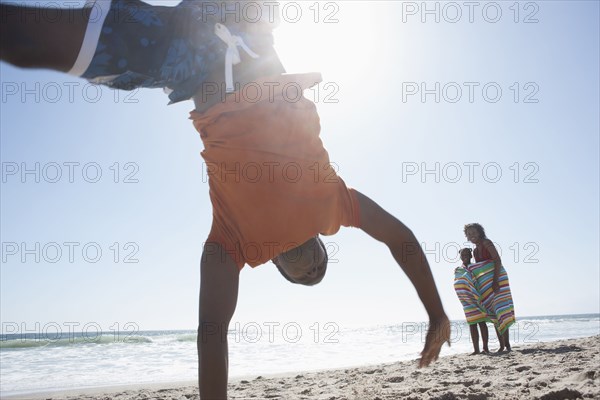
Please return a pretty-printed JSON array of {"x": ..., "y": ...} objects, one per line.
[{"x": 142, "y": 46}]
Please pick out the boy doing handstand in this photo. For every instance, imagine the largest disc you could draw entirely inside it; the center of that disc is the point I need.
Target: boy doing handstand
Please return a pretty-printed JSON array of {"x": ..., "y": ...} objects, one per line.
[
  {"x": 272, "y": 187},
  {"x": 273, "y": 192}
]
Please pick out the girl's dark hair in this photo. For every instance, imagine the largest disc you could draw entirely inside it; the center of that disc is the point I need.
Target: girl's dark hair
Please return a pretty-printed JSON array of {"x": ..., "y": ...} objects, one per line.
[
  {"x": 466, "y": 249},
  {"x": 476, "y": 226}
]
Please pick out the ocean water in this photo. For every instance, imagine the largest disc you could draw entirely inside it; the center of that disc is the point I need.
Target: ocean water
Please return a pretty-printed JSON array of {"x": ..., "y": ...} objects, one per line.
[{"x": 56, "y": 360}]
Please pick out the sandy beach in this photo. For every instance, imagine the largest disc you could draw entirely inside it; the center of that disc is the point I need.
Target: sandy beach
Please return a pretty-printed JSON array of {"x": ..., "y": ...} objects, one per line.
[{"x": 566, "y": 369}]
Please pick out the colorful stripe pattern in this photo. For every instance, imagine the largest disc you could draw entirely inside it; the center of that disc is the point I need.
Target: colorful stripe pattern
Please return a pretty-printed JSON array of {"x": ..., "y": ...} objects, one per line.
[
  {"x": 469, "y": 297},
  {"x": 499, "y": 306}
]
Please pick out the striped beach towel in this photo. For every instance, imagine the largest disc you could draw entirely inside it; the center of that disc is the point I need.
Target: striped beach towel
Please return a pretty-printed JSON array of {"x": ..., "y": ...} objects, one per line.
[
  {"x": 499, "y": 306},
  {"x": 464, "y": 285}
]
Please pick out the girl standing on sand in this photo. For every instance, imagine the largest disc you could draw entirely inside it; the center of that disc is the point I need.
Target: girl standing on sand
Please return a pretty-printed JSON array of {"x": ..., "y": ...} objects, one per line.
[
  {"x": 469, "y": 297},
  {"x": 491, "y": 282}
]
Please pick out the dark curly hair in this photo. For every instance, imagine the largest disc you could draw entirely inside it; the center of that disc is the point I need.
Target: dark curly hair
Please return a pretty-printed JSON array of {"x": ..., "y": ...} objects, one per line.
[
  {"x": 466, "y": 249},
  {"x": 476, "y": 226},
  {"x": 307, "y": 282}
]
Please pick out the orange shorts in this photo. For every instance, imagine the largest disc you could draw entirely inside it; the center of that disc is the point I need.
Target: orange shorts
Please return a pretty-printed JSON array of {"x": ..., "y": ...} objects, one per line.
[{"x": 271, "y": 183}]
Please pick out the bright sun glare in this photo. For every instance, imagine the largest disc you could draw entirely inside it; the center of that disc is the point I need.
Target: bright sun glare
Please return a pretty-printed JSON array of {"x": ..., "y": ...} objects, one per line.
[{"x": 322, "y": 36}]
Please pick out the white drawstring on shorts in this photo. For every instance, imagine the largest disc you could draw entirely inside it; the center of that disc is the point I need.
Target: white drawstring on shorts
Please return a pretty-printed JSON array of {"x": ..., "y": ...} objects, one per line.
[{"x": 232, "y": 56}]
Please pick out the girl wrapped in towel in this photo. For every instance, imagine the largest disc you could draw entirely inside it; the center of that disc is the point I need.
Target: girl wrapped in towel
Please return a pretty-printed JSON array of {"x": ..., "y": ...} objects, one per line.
[{"x": 469, "y": 297}]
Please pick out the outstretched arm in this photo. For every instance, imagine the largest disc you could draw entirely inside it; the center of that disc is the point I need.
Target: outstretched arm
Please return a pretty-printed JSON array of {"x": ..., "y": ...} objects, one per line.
[
  {"x": 218, "y": 297},
  {"x": 407, "y": 252},
  {"x": 34, "y": 37}
]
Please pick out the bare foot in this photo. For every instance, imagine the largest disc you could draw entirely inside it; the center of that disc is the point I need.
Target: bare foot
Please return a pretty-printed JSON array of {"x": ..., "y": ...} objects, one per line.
[
  {"x": 475, "y": 353},
  {"x": 437, "y": 334}
]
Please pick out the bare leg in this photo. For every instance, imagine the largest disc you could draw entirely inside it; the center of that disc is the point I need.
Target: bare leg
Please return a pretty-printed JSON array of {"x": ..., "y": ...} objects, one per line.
[
  {"x": 500, "y": 340},
  {"x": 218, "y": 297},
  {"x": 506, "y": 341},
  {"x": 33, "y": 37},
  {"x": 484, "y": 336},
  {"x": 474, "y": 338},
  {"x": 407, "y": 252}
]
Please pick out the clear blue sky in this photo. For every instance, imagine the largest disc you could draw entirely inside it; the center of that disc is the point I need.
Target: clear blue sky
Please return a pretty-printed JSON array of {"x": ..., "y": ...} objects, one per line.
[{"x": 546, "y": 224}]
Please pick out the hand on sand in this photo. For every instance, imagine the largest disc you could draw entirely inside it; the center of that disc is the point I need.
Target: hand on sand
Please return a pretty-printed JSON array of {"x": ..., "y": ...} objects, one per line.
[{"x": 437, "y": 335}]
